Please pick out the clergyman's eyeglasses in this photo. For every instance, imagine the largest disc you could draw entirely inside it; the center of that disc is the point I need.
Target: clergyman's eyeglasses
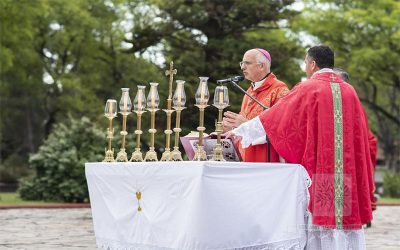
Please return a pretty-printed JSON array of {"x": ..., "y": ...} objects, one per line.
[{"x": 247, "y": 63}]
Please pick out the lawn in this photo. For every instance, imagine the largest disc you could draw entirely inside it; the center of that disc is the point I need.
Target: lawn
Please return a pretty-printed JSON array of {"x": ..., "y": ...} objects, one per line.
[
  {"x": 387, "y": 200},
  {"x": 13, "y": 199}
]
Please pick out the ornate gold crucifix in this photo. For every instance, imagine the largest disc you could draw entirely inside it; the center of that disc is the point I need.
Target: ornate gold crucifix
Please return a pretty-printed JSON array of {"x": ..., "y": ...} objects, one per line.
[
  {"x": 171, "y": 72},
  {"x": 167, "y": 153}
]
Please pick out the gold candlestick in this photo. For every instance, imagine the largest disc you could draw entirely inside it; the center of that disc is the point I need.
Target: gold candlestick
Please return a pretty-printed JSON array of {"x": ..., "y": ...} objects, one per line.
[
  {"x": 202, "y": 96},
  {"x": 171, "y": 72},
  {"x": 166, "y": 156},
  {"x": 139, "y": 105},
  {"x": 179, "y": 105},
  {"x": 125, "y": 106},
  {"x": 218, "y": 154},
  {"x": 200, "y": 154},
  {"x": 152, "y": 102},
  {"x": 110, "y": 112},
  {"x": 221, "y": 101}
]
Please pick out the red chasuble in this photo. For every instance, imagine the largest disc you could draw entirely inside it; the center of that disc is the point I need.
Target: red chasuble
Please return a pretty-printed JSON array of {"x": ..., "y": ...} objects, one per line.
[
  {"x": 270, "y": 91},
  {"x": 321, "y": 125}
]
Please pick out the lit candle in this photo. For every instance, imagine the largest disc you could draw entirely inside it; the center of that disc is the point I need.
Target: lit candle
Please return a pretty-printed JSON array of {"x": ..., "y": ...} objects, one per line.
[
  {"x": 139, "y": 101},
  {"x": 179, "y": 97},
  {"x": 203, "y": 89},
  {"x": 153, "y": 98},
  {"x": 221, "y": 97},
  {"x": 125, "y": 101},
  {"x": 110, "y": 109}
]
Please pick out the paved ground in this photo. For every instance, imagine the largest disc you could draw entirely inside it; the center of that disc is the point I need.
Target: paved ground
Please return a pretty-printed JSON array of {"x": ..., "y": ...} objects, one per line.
[
  {"x": 53, "y": 229},
  {"x": 385, "y": 231}
]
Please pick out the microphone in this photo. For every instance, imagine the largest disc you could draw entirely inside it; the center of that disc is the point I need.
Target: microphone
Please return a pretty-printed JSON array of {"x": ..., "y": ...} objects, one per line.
[{"x": 232, "y": 79}]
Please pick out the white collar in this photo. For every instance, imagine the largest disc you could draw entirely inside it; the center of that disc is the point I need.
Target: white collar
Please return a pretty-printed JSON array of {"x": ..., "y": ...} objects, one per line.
[
  {"x": 256, "y": 85},
  {"x": 322, "y": 71}
]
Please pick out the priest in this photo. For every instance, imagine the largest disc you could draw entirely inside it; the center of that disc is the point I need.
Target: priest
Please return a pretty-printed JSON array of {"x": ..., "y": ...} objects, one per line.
[
  {"x": 267, "y": 89},
  {"x": 322, "y": 125}
]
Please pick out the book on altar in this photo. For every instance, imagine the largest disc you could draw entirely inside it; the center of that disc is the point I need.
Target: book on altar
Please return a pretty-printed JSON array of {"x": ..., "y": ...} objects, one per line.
[{"x": 190, "y": 143}]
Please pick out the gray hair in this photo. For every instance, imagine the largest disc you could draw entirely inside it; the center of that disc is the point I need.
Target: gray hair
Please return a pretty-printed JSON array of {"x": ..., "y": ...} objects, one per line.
[{"x": 343, "y": 74}]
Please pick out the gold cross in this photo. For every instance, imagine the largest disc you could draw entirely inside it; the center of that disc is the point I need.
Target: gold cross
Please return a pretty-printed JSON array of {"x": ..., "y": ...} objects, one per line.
[
  {"x": 171, "y": 72},
  {"x": 138, "y": 197}
]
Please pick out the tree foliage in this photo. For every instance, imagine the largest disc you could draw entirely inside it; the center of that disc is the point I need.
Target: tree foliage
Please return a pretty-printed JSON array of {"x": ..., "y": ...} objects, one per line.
[
  {"x": 59, "y": 163},
  {"x": 59, "y": 58},
  {"x": 365, "y": 36},
  {"x": 67, "y": 57},
  {"x": 209, "y": 38}
]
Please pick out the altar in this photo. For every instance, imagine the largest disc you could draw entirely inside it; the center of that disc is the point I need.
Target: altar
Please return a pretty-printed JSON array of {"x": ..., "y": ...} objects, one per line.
[{"x": 198, "y": 205}]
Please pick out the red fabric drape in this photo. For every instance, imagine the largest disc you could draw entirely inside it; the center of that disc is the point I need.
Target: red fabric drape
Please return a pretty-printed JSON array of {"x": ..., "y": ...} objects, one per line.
[{"x": 301, "y": 129}]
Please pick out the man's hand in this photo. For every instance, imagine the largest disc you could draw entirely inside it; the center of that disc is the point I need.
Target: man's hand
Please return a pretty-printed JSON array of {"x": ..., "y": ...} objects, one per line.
[
  {"x": 229, "y": 134},
  {"x": 232, "y": 120}
]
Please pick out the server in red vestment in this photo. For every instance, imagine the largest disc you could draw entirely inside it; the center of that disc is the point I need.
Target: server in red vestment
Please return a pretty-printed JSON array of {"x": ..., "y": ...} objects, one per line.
[
  {"x": 267, "y": 89},
  {"x": 321, "y": 125}
]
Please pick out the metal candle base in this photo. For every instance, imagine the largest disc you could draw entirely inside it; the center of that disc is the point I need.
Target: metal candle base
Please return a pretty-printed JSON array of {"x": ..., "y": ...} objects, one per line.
[
  {"x": 200, "y": 154},
  {"x": 167, "y": 155},
  {"x": 109, "y": 156},
  {"x": 151, "y": 155},
  {"x": 122, "y": 156},
  {"x": 137, "y": 156},
  {"x": 218, "y": 154},
  {"x": 176, "y": 155}
]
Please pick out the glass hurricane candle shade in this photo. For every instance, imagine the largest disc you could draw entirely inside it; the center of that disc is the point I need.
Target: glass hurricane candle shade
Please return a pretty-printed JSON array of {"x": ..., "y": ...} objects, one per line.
[
  {"x": 125, "y": 104},
  {"x": 179, "y": 98},
  {"x": 202, "y": 93},
  {"x": 153, "y": 99},
  {"x": 139, "y": 103},
  {"x": 221, "y": 97},
  {"x": 110, "y": 110}
]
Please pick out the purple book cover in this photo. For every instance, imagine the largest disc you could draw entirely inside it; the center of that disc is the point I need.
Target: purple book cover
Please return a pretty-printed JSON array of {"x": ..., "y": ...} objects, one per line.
[{"x": 190, "y": 143}]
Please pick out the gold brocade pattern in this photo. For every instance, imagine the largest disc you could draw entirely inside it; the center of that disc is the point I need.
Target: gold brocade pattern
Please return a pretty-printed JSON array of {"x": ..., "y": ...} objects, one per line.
[{"x": 251, "y": 109}]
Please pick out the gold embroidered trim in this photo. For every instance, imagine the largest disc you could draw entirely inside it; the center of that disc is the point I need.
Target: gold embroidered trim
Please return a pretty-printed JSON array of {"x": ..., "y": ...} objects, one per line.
[{"x": 338, "y": 142}]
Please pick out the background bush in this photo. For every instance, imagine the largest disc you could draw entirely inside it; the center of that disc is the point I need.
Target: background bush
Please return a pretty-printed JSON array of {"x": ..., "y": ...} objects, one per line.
[
  {"x": 391, "y": 184},
  {"x": 59, "y": 163}
]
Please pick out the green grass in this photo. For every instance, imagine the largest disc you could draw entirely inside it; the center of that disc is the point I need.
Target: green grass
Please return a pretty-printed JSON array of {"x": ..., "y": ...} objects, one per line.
[
  {"x": 386, "y": 200},
  {"x": 13, "y": 199}
]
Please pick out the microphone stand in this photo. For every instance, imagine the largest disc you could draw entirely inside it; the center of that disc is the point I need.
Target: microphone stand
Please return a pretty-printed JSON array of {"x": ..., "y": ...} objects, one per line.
[{"x": 234, "y": 83}]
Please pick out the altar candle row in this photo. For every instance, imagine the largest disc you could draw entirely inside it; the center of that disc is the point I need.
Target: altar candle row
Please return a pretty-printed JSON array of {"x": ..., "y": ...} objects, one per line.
[{"x": 140, "y": 105}]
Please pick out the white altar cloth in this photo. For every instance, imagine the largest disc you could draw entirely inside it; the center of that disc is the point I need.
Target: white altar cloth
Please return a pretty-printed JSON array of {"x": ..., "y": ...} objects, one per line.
[{"x": 198, "y": 205}]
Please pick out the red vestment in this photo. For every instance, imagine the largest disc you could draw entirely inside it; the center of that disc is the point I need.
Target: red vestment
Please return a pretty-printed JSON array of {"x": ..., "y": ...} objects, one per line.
[
  {"x": 329, "y": 138},
  {"x": 270, "y": 91}
]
